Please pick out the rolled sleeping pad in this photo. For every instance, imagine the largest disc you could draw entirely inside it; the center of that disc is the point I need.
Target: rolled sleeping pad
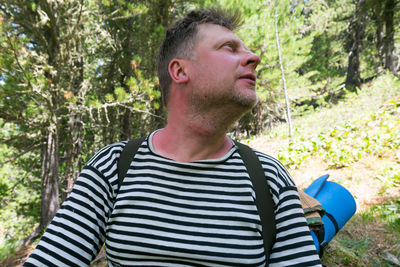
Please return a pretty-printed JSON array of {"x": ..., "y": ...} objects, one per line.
[{"x": 338, "y": 203}]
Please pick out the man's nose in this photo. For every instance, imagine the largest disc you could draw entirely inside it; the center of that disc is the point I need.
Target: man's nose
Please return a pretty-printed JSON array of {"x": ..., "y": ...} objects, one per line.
[{"x": 251, "y": 59}]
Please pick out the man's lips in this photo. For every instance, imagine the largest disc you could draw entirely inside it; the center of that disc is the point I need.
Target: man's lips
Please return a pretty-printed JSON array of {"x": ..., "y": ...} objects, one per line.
[{"x": 250, "y": 77}]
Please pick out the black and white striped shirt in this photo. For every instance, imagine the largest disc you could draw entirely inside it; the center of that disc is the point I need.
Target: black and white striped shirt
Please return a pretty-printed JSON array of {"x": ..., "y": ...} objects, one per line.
[{"x": 169, "y": 213}]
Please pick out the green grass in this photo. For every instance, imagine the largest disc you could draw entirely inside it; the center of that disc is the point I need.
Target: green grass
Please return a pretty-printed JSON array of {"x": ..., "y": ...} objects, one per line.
[
  {"x": 366, "y": 123},
  {"x": 354, "y": 107},
  {"x": 7, "y": 248},
  {"x": 377, "y": 133},
  {"x": 370, "y": 238}
]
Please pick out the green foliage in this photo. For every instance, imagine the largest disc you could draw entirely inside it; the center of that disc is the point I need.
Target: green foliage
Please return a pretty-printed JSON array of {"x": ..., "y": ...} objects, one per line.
[
  {"x": 377, "y": 133},
  {"x": 367, "y": 238},
  {"x": 7, "y": 248},
  {"x": 19, "y": 198},
  {"x": 389, "y": 177},
  {"x": 390, "y": 213}
]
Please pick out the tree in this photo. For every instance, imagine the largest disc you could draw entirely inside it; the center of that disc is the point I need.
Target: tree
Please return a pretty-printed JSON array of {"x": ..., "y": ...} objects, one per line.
[
  {"x": 289, "y": 120},
  {"x": 356, "y": 30},
  {"x": 45, "y": 94},
  {"x": 386, "y": 46}
]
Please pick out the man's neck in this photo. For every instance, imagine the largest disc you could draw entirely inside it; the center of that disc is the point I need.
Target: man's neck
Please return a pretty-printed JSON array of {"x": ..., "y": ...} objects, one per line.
[
  {"x": 188, "y": 141},
  {"x": 196, "y": 132}
]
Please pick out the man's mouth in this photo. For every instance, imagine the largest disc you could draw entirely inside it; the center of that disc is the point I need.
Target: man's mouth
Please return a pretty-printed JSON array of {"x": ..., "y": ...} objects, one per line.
[{"x": 250, "y": 77}]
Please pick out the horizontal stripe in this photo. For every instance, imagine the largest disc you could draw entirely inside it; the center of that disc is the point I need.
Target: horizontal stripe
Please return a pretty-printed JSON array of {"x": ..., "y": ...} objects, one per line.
[
  {"x": 208, "y": 232},
  {"x": 202, "y": 198},
  {"x": 188, "y": 222}
]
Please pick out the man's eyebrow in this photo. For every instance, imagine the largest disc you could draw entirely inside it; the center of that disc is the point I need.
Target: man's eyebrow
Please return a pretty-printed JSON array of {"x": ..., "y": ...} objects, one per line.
[{"x": 236, "y": 41}]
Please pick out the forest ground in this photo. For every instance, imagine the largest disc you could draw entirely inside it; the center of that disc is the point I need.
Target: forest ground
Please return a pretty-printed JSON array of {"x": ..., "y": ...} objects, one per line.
[{"x": 373, "y": 237}]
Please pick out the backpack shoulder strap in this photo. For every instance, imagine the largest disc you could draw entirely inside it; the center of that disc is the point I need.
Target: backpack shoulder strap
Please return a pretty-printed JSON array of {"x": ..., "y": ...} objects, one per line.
[
  {"x": 126, "y": 157},
  {"x": 264, "y": 203}
]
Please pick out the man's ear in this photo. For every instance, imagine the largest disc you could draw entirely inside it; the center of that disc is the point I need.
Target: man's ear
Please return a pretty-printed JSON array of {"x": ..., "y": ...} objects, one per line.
[{"x": 177, "y": 71}]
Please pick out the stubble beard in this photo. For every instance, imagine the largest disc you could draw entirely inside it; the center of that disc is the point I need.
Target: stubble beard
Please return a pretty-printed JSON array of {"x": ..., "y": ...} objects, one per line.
[
  {"x": 225, "y": 108},
  {"x": 244, "y": 99}
]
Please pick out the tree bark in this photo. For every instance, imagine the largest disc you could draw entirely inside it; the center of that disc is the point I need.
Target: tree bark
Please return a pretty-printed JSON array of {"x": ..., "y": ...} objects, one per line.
[
  {"x": 163, "y": 17},
  {"x": 379, "y": 33},
  {"x": 126, "y": 125},
  {"x": 50, "y": 193},
  {"x": 388, "y": 40},
  {"x": 73, "y": 154},
  {"x": 74, "y": 129},
  {"x": 50, "y": 190},
  {"x": 356, "y": 31},
  {"x": 128, "y": 50}
]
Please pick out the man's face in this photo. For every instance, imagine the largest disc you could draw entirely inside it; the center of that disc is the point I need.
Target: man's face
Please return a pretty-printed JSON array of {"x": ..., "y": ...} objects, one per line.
[{"x": 222, "y": 69}]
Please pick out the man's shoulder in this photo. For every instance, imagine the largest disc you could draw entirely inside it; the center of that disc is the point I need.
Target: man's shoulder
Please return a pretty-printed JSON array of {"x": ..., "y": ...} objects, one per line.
[
  {"x": 112, "y": 152},
  {"x": 274, "y": 170},
  {"x": 264, "y": 158},
  {"x": 268, "y": 159},
  {"x": 107, "y": 153}
]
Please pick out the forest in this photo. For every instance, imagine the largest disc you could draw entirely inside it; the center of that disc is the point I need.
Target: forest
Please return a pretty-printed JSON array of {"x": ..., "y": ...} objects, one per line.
[{"x": 78, "y": 75}]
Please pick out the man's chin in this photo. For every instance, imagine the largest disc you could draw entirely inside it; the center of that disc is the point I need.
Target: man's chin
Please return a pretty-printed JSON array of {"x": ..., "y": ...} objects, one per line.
[
  {"x": 248, "y": 99},
  {"x": 246, "y": 104}
]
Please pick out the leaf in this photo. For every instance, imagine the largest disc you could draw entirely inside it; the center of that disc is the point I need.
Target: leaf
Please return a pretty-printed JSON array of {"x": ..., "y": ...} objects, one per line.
[
  {"x": 120, "y": 93},
  {"x": 33, "y": 6},
  {"x": 109, "y": 98},
  {"x": 68, "y": 94}
]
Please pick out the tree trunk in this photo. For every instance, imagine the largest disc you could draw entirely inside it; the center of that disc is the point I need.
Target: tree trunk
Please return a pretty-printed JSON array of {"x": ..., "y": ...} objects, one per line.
[
  {"x": 356, "y": 30},
  {"x": 126, "y": 125},
  {"x": 388, "y": 40},
  {"x": 74, "y": 134},
  {"x": 288, "y": 117},
  {"x": 50, "y": 193},
  {"x": 128, "y": 50},
  {"x": 379, "y": 22},
  {"x": 73, "y": 154},
  {"x": 163, "y": 17}
]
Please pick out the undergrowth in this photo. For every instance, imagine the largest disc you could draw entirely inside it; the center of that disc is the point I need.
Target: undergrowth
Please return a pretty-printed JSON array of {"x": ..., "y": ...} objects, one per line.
[
  {"x": 370, "y": 238},
  {"x": 378, "y": 133}
]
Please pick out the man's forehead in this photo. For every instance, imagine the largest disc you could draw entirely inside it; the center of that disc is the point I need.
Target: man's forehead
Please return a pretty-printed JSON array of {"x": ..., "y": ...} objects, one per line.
[{"x": 214, "y": 30}]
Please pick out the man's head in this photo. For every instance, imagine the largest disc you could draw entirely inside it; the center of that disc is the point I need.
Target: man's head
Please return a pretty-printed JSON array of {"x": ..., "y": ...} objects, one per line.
[{"x": 180, "y": 39}]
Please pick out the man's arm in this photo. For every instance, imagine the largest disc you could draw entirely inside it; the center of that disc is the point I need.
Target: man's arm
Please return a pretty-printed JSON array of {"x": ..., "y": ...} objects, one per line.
[
  {"x": 294, "y": 245},
  {"x": 77, "y": 232}
]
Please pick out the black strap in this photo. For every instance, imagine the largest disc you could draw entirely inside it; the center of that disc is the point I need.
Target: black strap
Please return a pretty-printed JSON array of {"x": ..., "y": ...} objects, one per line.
[
  {"x": 321, "y": 234},
  {"x": 334, "y": 222},
  {"x": 264, "y": 203},
  {"x": 126, "y": 158}
]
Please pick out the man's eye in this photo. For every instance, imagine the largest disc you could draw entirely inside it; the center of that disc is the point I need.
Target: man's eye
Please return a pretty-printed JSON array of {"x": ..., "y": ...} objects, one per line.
[{"x": 230, "y": 45}]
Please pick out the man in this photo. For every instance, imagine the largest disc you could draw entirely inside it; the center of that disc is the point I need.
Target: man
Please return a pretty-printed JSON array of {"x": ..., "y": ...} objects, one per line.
[{"x": 187, "y": 199}]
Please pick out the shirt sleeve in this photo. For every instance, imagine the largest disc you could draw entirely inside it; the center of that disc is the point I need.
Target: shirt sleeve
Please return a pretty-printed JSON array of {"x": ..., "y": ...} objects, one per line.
[
  {"x": 294, "y": 245},
  {"x": 77, "y": 232}
]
